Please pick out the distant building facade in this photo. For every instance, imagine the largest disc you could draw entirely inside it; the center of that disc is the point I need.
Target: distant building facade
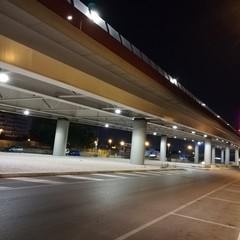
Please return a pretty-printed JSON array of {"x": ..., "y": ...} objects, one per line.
[{"x": 14, "y": 127}]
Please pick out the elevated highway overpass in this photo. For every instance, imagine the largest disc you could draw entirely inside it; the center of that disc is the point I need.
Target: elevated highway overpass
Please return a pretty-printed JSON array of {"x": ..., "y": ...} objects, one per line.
[{"x": 75, "y": 69}]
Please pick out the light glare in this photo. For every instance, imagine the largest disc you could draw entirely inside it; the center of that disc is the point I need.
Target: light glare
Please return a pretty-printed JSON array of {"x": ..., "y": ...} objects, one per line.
[
  {"x": 3, "y": 77},
  {"x": 94, "y": 16},
  {"x": 26, "y": 112},
  {"x": 117, "y": 111}
]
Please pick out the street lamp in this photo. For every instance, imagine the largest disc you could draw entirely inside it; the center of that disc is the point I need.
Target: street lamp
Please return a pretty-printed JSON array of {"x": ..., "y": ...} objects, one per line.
[
  {"x": 96, "y": 143},
  {"x": 122, "y": 143},
  {"x": 110, "y": 142},
  {"x": 189, "y": 147},
  {"x": 168, "y": 147}
]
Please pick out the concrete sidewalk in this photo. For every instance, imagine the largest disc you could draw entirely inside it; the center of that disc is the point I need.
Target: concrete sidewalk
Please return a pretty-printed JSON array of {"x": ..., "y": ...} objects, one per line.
[{"x": 15, "y": 164}]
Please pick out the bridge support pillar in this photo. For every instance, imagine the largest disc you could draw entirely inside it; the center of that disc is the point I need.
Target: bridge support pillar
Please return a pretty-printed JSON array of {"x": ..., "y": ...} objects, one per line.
[
  {"x": 237, "y": 156},
  {"x": 207, "y": 152},
  {"x": 138, "y": 141},
  {"x": 163, "y": 148},
  {"x": 61, "y": 135},
  {"x": 213, "y": 154},
  {"x": 227, "y": 155},
  {"x": 196, "y": 153},
  {"x": 222, "y": 155}
]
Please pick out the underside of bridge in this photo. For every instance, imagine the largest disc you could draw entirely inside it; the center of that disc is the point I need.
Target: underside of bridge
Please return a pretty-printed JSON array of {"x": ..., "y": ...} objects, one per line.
[{"x": 83, "y": 74}]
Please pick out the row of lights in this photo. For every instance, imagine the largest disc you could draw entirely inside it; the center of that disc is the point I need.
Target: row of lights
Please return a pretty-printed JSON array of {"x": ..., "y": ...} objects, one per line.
[
  {"x": 175, "y": 127},
  {"x": 193, "y": 132},
  {"x": 205, "y": 136}
]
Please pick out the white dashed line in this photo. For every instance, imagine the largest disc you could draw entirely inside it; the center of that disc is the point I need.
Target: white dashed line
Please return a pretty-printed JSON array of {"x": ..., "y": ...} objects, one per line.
[
  {"x": 35, "y": 180},
  {"x": 80, "y": 177},
  {"x": 4, "y": 188},
  {"x": 107, "y": 175},
  {"x": 132, "y": 174}
]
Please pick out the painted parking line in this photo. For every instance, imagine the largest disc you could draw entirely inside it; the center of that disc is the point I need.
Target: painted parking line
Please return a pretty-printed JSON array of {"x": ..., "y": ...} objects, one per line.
[
  {"x": 230, "y": 190},
  {"x": 80, "y": 177},
  {"x": 156, "y": 220},
  {"x": 205, "y": 221},
  {"x": 36, "y": 180},
  {"x": 224, "y": 200}
]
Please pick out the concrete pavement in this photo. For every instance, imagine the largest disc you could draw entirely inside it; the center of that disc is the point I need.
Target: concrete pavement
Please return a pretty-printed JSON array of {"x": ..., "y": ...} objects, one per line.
[{"x": 15, "y": 164}]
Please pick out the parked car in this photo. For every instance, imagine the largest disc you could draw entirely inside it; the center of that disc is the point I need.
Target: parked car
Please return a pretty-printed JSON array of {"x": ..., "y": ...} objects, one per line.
[
  {"x": 17, "y": 149},
  {"x": 74, "y": 153}
]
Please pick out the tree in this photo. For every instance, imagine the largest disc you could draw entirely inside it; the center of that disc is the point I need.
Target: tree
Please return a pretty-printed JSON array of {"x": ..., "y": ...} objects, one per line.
[
  {"x": 43, "y": 130},
  {"x": 81, "y": 136}
]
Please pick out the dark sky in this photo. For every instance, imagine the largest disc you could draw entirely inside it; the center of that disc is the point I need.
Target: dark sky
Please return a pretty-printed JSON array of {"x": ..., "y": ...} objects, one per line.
[{"x": 195, "y": 41}]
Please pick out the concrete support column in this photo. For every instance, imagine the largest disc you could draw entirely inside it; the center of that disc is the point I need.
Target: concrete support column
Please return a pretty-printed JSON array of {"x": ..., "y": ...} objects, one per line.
[
  {"x": 163, "y": 148},
  {"x": 138, "y": 141},
  {"x": 196, "y": 153},
  {"x": 237, "y": 156},
  {"x": 213, "y": 154},
  {"x": 227, "y": 155},
  {"x": 222, "y": 155},
  {"x": 61, "y": 135},
  {"x": 207, "y": 152}
]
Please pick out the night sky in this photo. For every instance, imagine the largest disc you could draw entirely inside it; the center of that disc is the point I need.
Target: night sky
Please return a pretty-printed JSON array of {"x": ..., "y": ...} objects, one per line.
[{"x": 195, "y": 41}]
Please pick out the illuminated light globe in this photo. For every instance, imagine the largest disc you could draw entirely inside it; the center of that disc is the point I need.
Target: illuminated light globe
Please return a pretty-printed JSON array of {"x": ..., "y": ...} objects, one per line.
[
  {"x": 117, "y": 111},
  {"x": 26, "y": 112},
  {"x": 69, "y": 17},
  {"x": 3, "y": 77}
]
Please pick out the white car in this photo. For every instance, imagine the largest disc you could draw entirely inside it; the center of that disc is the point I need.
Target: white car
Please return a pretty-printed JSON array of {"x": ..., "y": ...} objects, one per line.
[{"x": 17, "y": 149}]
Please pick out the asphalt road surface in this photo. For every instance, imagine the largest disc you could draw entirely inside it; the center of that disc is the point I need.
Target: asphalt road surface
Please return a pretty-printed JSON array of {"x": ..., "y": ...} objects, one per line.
[{"x": 181, "y": 204}]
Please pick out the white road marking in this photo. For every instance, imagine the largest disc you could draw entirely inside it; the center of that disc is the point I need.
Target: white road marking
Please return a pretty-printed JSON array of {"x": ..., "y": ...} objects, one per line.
[
  {"x": 230, "y": 190},
  {"x": 35, "y": 180},
  {"x": 107, "y": 175},
  {"x": 238, "y": 236},
  {"x": 131, "y": 174},
  {"x": 148, "y": 224},
  {"x": 206, "y": 221},
  {"x": 4, "y": 188},
  {"x": 224, "y": 200},
  {"x": 80, "y": 177},
  {"x": 149, "y": 174}
]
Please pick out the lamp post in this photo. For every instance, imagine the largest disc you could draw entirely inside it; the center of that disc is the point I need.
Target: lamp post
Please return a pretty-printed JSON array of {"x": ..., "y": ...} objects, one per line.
[
  {"x": 110, "y": 146},
  {"x": 189, "y": 147},
  {"x": 122, "y": 143},
  {"x": 168, "y": 148}
]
